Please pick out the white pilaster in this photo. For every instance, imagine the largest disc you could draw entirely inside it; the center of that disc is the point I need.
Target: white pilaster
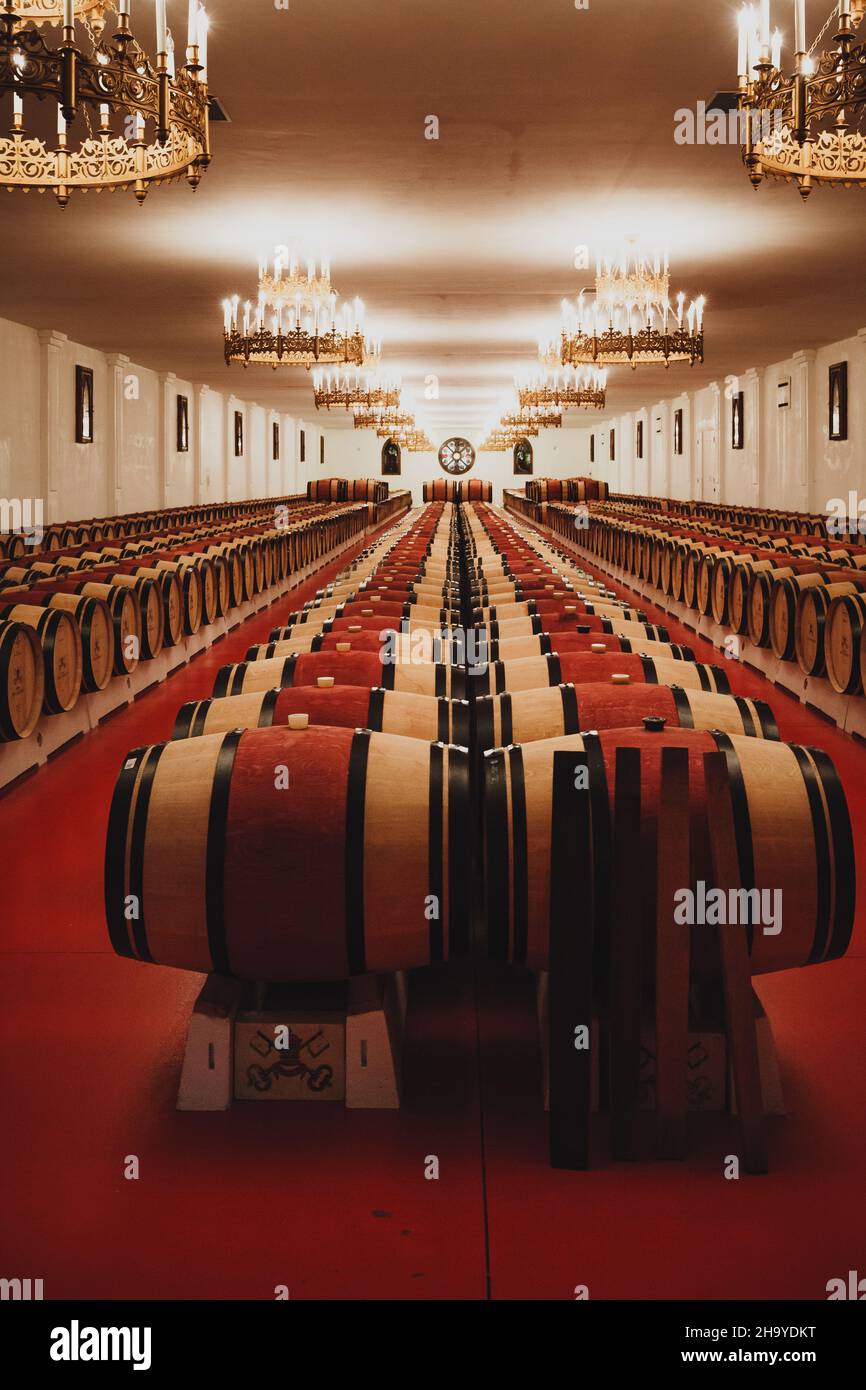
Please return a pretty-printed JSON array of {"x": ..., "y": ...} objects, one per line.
[
  {"x": 51, "y": 421},
  {"x": 117, "y": 363},
  {"x": 201, "y": 469},
  {"x": 165, "y": 441},
  {"x": 804, "y": 423},
  {"x": 752, "y": 388}
]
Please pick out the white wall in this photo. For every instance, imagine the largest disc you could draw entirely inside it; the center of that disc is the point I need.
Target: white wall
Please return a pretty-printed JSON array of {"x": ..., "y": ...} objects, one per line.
[
  {"x": 788, "y": 459},
  {"x": 133, "y": 463}
]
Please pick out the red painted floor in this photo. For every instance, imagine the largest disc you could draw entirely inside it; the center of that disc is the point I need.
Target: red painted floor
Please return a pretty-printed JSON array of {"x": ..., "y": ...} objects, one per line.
[{"x": 334, "y": 1203}]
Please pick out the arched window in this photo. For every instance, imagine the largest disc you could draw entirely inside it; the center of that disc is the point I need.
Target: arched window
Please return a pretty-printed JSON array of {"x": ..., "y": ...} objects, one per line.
[
  {"x": 391, "y": 459},
  {"x": 523, "y": 457}
]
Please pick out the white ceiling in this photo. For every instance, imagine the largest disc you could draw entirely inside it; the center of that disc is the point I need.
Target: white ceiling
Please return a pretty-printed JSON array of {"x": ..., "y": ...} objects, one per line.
[{"x": 556, "y": 130}]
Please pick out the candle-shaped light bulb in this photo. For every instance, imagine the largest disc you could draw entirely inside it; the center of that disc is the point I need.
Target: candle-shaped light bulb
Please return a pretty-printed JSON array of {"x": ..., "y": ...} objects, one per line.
[
  {"x": 743, "y": 46},
  {"x": 681, "y": 299},
  {"x": 69, "y": 14},
  {"x": 227, "y": 315},
  {"x": 776, "y": 49},
  {"x": 161, "y": 28},
  {"x": 247, "y": 310},
  {"x": 192, "y": 25},
  {"x": 170, "y": 64},
  {"x": 104, "y": 115},
  {"x": 700, "y": 311},
  {"x": 17, "y": 108},
  {"x": 261, "y": 311},
  {"x": 203, "y": 28},
  {"x": 765, "y": 26}
]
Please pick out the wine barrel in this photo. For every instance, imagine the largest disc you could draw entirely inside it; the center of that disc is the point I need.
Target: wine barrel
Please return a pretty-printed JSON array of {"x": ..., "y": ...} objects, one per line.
[
  {"x": 334, "y": 877},
  {"x": 775, "y": 787},
  {"x": 172, "y": 598},
  {"x": 22, "y": 681},
  {"x": 352, "y": 627},
  {"x": 579, "y": 668},
  {"x": 784, "y": 602},
  {"x": 441, "y": 490},
  {"x": 639, "y": 638},
  {"x": 343, "y": 706},
  {"x": 341, "y": 668},
  {"x": 475, "y": 490},
  {"x": 93, "y": 619},
  {"x": 810, "y": 624},
  {"x": 575, "y": 608},
  {"x": 530, "y": 715},
  {"x": 60, "y": 641},
  {"x": 319, "y": 642},
  {"x": 843, "y": 643},
  {"x": 125, "y": 609},
  {"x": 149, "y": 602}
]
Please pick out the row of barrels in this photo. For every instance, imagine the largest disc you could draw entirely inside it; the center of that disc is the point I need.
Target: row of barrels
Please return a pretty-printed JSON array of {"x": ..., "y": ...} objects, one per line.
[
  {"x": 800, "y": 596},
  {"x": 773, "y": 785},
  {"x": 365, "y": 791},
  {"x": 458, "y": 490},
  {"x": 61, "y": 535},
  {"x": 95, "y": 614},
  {"x": 567, "y": 490},
  {"x": 347, "y": 490}
]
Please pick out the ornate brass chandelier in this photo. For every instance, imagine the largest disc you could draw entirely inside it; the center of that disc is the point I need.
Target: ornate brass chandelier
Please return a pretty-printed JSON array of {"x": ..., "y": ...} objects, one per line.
[
  {"x": 584, "y": 388},
  {"x": 416, "y": 441},
  {"x": 95, "y": 85},
  {"x": 805, "y": 127},
  {"x": 51, "y": 11},
  {"x": 292, "y": 339},
  {"x": 504, "y": 438},
  {"x": 349, "y": 389},
  {"x": 541, "y": 417},
  {"x": 287, "y": 286},
  {"x": 631, "y": 319},
  {"x": 382, "y": 418}
]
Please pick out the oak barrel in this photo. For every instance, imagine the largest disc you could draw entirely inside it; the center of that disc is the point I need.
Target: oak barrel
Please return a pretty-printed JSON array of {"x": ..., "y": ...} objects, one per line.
[
  {"x": 282, "y": 855},
  {"x": 773, "y": 785},
  {"x": 579, "y": 668},
  {"x": 22, "y": 681},
  {"x": 550, "y": 712},
  {"x": 345, "y": 706}
]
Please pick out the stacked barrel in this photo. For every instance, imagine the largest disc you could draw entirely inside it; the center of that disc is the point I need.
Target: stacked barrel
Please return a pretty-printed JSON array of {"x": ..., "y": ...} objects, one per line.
[
  {"x": 337, "y": 759},
  {"x": 773, "y": 578},
  {"x": 442, "y": 490},
  {"x": 601, "y": 679},
  {"x": 97, "y": 608},
  {"x": 313, "y": 817}
]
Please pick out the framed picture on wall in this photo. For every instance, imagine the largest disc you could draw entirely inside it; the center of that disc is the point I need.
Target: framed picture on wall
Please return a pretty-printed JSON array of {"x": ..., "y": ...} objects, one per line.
[
  {"x": 592, "y": 448},
  {"x": 391, "y": 459},
  {"x": 83, "y": 405},
  {"x": 523, "y": 458},
  {"x": 183, "y": 424},
  {"x": 276, "y": 441},
  {"x": 302, "y": 448},
  {"x": 321, "y": 448},
  {"x": 239, "y": 434},
  {"x": 738, "y": 408},
  {"x": 839, "y": 401},
  {"x": 678, "y": 431},
  {"x": 638, "y": 441},
  {"x": 613, "y": 444}
]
